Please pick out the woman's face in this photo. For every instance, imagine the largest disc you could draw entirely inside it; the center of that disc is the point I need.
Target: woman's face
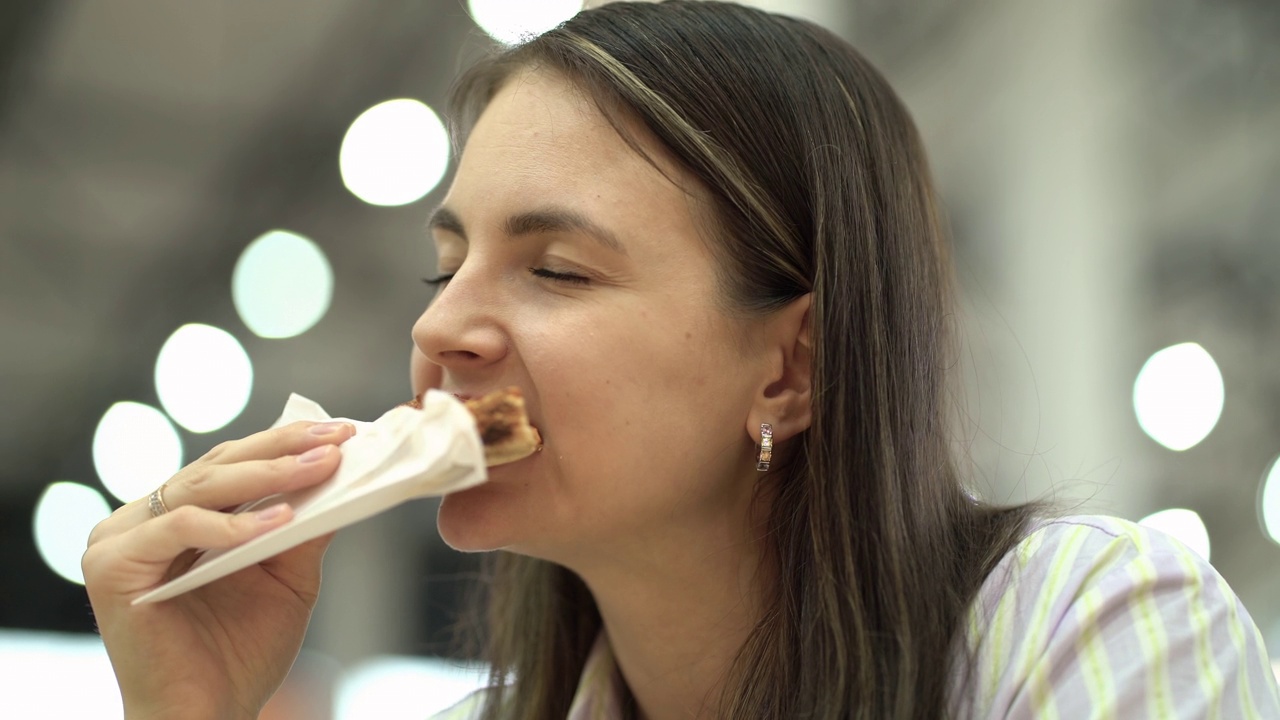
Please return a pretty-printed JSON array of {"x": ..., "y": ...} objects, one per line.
[{"x": 580, "y": 274}]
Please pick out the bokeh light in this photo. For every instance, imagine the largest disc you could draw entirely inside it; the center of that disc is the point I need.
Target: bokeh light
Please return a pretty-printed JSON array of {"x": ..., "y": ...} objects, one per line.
[
  {"x": 282, "y": 285},
  {"x": 56, "y": 676},
  {"x": 512, "y": 21},
  {"x": 135, "y": 448},
  {"x": 391, "y": 688},
  {"x": 203, "y": 377},
  {"x": 1183, "y": 524},
  {"x": 394, "y": 153},
  {"x": 1269, "y": 502},
  {"x": 65, "y": 514},
  {"x": 1178, "y": 396}
]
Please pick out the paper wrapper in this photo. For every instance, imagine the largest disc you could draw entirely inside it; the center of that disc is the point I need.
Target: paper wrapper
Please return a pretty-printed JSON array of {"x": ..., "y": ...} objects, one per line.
[{"x": 404, "y": 454}]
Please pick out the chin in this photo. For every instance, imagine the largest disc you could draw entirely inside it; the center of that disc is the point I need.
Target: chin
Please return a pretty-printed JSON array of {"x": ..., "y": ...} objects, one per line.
[{"x": 476, "y": 519}]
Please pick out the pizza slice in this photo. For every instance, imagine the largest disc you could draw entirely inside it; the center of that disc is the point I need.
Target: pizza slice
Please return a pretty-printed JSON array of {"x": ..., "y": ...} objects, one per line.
[{"x": 503, "y": 424}]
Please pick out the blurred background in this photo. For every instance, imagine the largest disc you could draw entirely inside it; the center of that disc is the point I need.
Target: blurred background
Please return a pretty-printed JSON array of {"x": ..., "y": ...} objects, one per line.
[{"x": 206, "y": 206}]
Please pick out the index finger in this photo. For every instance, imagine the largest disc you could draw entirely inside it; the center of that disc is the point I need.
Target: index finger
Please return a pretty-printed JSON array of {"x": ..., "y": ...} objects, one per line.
[{"x": 292, "y": 439}]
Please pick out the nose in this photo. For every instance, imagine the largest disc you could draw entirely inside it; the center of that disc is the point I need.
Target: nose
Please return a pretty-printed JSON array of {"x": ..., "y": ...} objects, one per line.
[{"x": 460, "y": 330}]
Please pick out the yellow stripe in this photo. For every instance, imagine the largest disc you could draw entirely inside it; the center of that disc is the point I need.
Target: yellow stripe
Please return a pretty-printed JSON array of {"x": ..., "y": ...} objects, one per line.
[
  {"x": 1042, "y": 697},
  {"x": 975, "y": 628},
  {"x": 998, "y": 649},
  {"x": 1032, "y": 664},
  {"x": 1264, "y": 662},
  {"x": 1095, "y": 665},
  {"x": 998, "y": 644},
  {"x": 1237, "y": 639},
  {"x": 1150, "y": 628},
  {"x": 1210, "y": 675},
  {"x": 1037, "y": 630}
]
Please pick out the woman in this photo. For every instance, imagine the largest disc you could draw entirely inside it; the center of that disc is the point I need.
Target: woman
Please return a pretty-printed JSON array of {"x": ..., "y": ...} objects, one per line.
[{"x": 702, "y": 239}]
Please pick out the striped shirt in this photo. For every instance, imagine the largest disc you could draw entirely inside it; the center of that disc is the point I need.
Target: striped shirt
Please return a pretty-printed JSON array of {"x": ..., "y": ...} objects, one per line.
[{"x": 1087, "y": 617}]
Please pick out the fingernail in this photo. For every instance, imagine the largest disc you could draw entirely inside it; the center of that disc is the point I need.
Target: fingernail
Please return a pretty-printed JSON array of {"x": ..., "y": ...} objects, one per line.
[
  {"x": 328, "y": 428},
  {"x": 270, "y": 513},
  {"x": 314, "y": 454}
]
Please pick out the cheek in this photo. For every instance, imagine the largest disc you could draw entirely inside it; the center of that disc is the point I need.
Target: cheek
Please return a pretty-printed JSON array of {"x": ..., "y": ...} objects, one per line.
[
  {"x": 638, "y": 408},
  {"x": 606, "y": 379},
  {"x": 643, "y": 420}
]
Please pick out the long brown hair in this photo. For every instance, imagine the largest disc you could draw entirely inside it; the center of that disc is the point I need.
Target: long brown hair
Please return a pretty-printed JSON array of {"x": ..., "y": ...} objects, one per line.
[{"x": 819, "y": 185}]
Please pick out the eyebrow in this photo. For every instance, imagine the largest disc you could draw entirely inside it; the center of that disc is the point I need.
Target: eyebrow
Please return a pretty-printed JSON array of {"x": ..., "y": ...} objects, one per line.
[{"x": 533, "y": 222}]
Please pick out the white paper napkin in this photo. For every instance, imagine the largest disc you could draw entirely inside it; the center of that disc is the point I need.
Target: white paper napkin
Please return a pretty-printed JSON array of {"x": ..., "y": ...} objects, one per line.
[{"x": 404, "y": 454}]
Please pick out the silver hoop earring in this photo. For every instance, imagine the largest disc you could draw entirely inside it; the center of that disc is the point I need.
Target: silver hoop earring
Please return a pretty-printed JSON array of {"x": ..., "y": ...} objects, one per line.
[{"x": 766, "y": 447}]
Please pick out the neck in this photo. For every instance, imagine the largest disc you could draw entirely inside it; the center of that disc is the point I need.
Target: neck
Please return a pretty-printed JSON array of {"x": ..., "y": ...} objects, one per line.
[{"x": 677, "y": 609}]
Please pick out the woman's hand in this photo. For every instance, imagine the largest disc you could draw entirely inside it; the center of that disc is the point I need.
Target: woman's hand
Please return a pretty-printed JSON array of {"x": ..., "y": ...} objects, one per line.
[{"x": 220, "y": 650}]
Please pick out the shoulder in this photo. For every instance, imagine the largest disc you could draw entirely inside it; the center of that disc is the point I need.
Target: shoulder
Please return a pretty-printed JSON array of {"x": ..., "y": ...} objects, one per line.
[
  {"x": 1064, "y": 562},
  {"x": 1092, "y": 614},
  {"x": 1064, "y": 565},
  {"x": 1060, "y": 554}
]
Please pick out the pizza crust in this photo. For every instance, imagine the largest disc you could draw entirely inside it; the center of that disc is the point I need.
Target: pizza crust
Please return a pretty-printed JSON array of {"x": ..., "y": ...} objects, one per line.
[{"x": 503, "y": 424}]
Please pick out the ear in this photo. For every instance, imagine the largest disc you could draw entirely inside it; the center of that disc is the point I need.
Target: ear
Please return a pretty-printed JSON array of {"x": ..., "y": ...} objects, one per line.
[{"x": 784, "y": 396}]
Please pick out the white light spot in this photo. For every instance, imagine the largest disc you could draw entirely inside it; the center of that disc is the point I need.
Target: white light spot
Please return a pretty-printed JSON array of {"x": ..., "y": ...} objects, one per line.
[
  {"x": 65, "y": 514},
  {"x": 1178, "y": 396},
  {"x": 135, "y": 448},
  {"x": 282, "y": 285},
  {"x": 1183, "y": 524},
  {"x": 203, "y": 377},
  {"x": 1269, "y": 502},
  {"x": 392, "y": 688},
  {"x": 394, "y": 153},
  {"x": 514, "y": 21},
  {"x": 53, "y": 676}
]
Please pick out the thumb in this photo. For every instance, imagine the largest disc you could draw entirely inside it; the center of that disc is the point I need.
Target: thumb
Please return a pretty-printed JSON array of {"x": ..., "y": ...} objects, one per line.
[{"x": 299, "y": 567}]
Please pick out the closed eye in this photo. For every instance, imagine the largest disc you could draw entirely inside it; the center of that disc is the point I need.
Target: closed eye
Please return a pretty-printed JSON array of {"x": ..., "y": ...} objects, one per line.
[
  {"x": 563, "y": 277},
  {"x": 543, "y": 273}
]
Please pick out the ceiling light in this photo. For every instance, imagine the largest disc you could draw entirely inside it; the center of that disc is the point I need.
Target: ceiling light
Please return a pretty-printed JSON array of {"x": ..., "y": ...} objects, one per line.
[
  {"x": 394, "y": 153},
  {"x": 65, "y": 515},
  {"x": 1183, "y": 524},
  {"x": 514, "y": 21},
  {"x": 135, "y": 448},
  {"x": 203, "y": 377},
  {"x": 282, "y": 285},
  {"x": 1178, "y": 396}
]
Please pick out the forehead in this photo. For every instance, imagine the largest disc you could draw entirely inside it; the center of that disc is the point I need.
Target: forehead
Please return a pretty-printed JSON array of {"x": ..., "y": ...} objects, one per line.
[
  {"x": 537, "y": 111},
  {"x": 540, "y": 110},
  {"x": 542, "y": 138}
]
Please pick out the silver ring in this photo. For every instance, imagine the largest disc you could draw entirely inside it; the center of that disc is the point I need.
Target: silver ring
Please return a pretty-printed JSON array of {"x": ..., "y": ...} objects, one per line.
[{"x": 156, "y": 501}]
